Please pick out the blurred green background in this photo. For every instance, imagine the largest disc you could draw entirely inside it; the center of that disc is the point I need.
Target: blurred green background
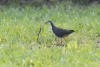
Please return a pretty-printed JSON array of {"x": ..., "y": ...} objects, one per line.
[{"x": 20, "y": 22}]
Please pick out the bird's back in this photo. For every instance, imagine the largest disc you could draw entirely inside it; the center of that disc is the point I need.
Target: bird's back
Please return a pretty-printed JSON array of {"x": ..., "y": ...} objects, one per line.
[{"x": 61, "y": 32}]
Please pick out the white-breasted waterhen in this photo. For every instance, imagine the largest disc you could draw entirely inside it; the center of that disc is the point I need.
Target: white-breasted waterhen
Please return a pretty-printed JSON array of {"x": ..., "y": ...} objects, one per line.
[{"x": 59, "y": 32}]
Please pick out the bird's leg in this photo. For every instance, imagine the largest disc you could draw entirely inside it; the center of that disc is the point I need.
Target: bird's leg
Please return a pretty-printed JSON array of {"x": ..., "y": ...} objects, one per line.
[
  {"x": 65, "y": 42},
  {"x": 55, "y": 40},
  {"x": 61, "y": 42}
]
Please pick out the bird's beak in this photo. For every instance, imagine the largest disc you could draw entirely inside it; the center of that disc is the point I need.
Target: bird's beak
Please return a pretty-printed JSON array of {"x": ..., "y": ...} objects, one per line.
[{"x": 47, "y": 23}]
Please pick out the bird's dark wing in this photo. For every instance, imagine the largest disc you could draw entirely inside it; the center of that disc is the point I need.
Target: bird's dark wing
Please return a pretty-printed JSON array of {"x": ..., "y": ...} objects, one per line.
[{"x": 62, "y": 32}]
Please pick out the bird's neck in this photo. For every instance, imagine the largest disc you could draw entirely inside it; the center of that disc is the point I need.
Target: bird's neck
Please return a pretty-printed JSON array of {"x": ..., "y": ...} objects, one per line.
[{"x": 52, "y": 25}]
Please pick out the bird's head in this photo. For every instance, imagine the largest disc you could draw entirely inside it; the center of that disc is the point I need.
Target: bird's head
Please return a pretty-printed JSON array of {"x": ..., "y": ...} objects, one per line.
[{"x": 48, "y": 22}]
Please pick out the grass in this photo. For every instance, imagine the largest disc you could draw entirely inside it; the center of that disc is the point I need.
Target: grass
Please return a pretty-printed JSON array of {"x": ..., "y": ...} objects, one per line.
[{"x": 19, "y": 28}]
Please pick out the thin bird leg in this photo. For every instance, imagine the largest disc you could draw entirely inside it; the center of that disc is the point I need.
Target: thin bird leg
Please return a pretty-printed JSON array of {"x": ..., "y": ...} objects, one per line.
[
  {"x": 61, "y": 41},
  {"x": 55, "y": 40},
  {"x": 65, "y": 42}
]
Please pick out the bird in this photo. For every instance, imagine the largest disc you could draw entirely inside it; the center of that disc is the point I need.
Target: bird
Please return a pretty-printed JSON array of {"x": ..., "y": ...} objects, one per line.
[{"x": 59, "y": 32}]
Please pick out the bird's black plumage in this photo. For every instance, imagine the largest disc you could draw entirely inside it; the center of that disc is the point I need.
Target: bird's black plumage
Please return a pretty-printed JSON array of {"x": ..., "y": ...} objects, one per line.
[{"x": 59, "y": 32}]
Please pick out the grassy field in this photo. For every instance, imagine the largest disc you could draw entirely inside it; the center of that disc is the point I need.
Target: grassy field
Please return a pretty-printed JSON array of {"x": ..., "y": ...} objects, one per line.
[{"x": 19, "y": 28}]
